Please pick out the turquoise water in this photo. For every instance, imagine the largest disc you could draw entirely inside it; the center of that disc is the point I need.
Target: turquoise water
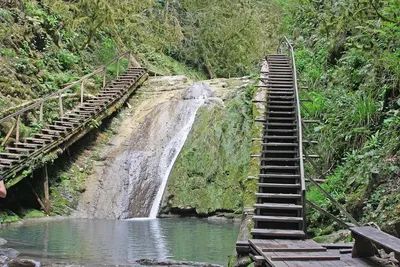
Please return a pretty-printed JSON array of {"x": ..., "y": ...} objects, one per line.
[{"x": 124, "y": 242}]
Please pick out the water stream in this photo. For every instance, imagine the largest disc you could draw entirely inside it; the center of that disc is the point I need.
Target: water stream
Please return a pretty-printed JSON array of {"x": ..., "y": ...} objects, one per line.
[
  {"x": 132, "y": 183},
  {"x": 122, "y": 242}
]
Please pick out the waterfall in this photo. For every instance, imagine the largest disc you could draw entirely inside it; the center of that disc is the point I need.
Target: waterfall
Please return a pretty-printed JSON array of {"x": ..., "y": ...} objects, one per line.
[
  {"x": 170, "y": 155},
  {"x": 133, "y": 180}
]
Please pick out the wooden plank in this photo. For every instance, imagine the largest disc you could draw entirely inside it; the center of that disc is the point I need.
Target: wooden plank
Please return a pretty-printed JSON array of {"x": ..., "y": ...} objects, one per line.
[
  {"x": 304, "y": 258},
  {"x": 337, "y": 246},
  {"x": 296, "y": 249},
  {"x": 378, "y": 237},
  {"x": 345, "y": 251}
]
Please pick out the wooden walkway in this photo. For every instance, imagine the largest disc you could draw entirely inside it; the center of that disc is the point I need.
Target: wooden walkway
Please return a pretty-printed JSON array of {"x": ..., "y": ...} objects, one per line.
[
  {"x": 29, "y": 153},
  {"x": 279, "y": 234},
  {"x": 306, "y": 253}
]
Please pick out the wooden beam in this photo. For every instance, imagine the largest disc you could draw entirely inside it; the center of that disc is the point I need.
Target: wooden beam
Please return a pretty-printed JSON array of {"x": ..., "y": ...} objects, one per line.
[
  {"x": 104, "y": 77},
  {"x": 37, "y": 198},
  {"x": 61, "y": 105},
  {"x": 117, "y": 68},
  {"x": 334, "y": 201},
  {"x": 8, "y": 134},
  {"x": 46, "y": 189},
  {"x": 41, "y": 112},
  {"x": 333, "y": 217},
  {"x": 17, "y": 131},
  {"x": 82, "y": 88}
]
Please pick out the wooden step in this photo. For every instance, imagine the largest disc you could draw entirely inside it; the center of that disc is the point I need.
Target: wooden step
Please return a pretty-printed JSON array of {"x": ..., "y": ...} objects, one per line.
[
  {"x": 280, "y": 102},
  {"x": 274, "y": 167},
  {"x": 280, "y": 93},
  {"x": 277, "y": 195},
  {"x": 279, "y": 152},
  {"x": 274, "y": 137},
  {"x": 278, "y": 185},
  {"x": 278, "y": 233},
  {"x": 261, "y": 218},
  {"x": 46, "y": 136},
  {"x": 37, "y": 140},
  {"x": 286, "y": 119},
  {"x": 280, "y": 144},
  {"x": 8, "y": 162},
  {"x": 277, "y": 206},
  {"x": 58, "y": 127},
  {"x": 20, "y": 150},
  {"x": 53, "y": 132},
  {"x": 280, "y": 176},
  {"x": 18, "y": 144},
  {"x": 12, "y": 155},
  {"x": 279, "y": 124},
  {"x": 269, "y": 131},
  {"x": 279, "y": 159},
  {"x": 269, "y": 107},
  {"x": 67, "y": 123}
]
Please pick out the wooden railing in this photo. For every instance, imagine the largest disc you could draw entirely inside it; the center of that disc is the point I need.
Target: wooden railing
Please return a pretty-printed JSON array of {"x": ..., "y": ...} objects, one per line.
[
  {"x": 290, "y": 52},
  {"x": 59, "y": 94},
  {"x": 286, "y": 47}
]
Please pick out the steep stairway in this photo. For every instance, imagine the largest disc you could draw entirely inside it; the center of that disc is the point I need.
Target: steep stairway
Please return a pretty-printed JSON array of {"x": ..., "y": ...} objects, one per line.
[
  {"x": 71, "y": 123},
  {"x": 279, "y": 207}
]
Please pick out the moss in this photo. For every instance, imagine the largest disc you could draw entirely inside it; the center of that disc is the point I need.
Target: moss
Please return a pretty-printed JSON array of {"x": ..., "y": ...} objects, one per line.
[
  {"x": 33, "y": 214},
  {"x": 211, "y": 171},
  {"x": 8, "y": 217}
]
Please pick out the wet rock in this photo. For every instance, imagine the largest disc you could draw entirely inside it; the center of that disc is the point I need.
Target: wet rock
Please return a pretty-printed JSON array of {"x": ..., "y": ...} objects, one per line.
[
  {"x": 148, "y": 262},
  {"x": 2, "y": 241},
  {"x": 9, "y": 252},
  {"x": 23, "y": 263},
  {"x": 3, "y": 259},
  {"x": 198, "y": 91}
]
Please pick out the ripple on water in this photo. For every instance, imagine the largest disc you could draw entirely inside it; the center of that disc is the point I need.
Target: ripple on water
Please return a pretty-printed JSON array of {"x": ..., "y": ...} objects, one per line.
[{"x": 124, "y": 242}]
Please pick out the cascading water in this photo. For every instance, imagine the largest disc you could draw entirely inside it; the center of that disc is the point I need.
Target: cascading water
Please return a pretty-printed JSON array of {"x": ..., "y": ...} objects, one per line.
[
  {"x": 132, "y": 183},
  {"x": 196, "y": 95}
]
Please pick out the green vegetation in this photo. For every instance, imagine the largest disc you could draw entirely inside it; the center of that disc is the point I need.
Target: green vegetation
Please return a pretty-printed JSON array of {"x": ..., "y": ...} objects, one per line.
[
  {"x": 210, "y": 174},
  {"x": 349, "y": 52}
]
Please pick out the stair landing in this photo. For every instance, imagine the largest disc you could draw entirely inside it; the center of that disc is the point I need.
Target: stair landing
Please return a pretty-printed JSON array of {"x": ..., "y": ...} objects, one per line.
[{"x": 305, "y": 253}]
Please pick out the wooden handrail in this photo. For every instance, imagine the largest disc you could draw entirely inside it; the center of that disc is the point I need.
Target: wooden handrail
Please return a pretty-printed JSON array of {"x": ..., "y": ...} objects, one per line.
[
  {"x": 69, "y": 86},
  {"x": 290, "y": 52},
  {"x": 285, "y": 41}
]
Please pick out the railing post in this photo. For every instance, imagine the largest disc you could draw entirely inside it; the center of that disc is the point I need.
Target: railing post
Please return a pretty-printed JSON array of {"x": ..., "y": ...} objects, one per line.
[
  {"x": 8, "y": 135},
  {"x": 82, "y": 92},
  {"x": 104, "y": 77},
  {"x": 41, "y": 112},
  {"x": 46, "y": 189},
  {"x": 129, "y": 59},
  {"x": 17, "y": 129},
  {"x": 61, "y": 105},
  {"x": 118, "y": 68}
]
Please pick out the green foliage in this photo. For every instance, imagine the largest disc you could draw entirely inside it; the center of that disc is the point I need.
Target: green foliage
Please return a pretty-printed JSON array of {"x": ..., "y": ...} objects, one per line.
[
  {"x": 33, "y": 214},
  {"x": 346, "y": 50}
]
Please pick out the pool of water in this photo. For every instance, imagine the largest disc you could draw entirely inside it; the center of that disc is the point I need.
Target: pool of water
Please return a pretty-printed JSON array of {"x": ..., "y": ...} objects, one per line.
[{"x": 123, "y": 242}]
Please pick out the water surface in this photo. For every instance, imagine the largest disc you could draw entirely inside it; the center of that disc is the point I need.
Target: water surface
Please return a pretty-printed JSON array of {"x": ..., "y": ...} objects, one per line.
[{"x": 123, "y": 242}]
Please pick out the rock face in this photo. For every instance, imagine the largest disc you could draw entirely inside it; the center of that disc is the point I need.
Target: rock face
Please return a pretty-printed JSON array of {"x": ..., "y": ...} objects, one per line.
[
  {"x": 211, "y": 169},
  {"x": 9, "y": 253},
  {"x": 138, "y": 161}
]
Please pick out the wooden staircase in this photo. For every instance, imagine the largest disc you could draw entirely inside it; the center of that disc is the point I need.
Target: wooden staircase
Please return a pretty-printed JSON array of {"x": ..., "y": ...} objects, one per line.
[
  {"x": 279, "y": 211},
  {"x": 16, "y": 155}
]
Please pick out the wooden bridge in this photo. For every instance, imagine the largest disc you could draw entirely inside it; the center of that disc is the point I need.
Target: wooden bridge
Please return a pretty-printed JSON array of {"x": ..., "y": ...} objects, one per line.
[
  {"x": 21, "y": 156},
  {"x": 279, "y": 234}
]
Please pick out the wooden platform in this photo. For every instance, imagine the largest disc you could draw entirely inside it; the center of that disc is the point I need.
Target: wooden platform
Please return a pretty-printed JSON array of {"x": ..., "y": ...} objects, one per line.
[{"x": 304, "y": 253}]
